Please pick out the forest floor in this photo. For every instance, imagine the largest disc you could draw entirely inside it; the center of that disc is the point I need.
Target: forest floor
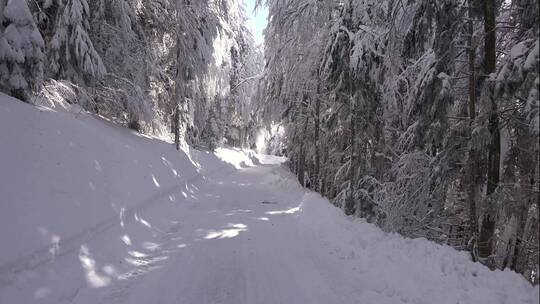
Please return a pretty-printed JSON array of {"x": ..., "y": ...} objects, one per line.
[{"x": 92, "y": 213}]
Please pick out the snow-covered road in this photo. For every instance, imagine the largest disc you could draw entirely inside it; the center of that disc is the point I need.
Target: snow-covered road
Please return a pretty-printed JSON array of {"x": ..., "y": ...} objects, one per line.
[{"x": 253, "y": 236}]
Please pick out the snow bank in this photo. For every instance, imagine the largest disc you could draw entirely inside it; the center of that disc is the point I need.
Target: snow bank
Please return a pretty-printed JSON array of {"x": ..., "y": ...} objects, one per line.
[
  {"x": 65, "y": 175},
  {"x": 392, "y": 266}
]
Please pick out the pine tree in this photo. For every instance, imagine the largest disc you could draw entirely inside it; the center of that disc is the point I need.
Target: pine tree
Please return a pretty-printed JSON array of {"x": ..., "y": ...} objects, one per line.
[
  {"x": 72, "y": 52},
  {"x": 21, "y": 51},
  {"x": 211, "y": 132}
]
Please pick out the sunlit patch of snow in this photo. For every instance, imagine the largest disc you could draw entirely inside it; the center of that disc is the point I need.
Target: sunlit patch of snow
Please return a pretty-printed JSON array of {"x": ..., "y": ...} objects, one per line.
[
  {"x": 55, "y": 245},
  {"x": 121, "y": 215},
  {"x": 141, "y": 262},
  {"x": 97, "y": 166},
  {"x": 110, "y": 270},
  {"x": 261, "y": 140},
  {"x": 169, "y": 165},
  {"x": 288, "y": 211},
  {"x": 45, "y": 109},
  {"x": 237, "y": 211},
  {"x": 151, "y": 246},
  {"x": 272, "y": 159},
  {"x": 125, "y": 238},
  {"x": 51, "y": 238},
  {"x": 137, "y": 254},
  {"x": 231, "y": 230},
  {"x": 94, "y": 279},
  {"x": 156, "y": 183},
  {"x": 238, "y": 158},
  {"x": 142, "y": 221}
]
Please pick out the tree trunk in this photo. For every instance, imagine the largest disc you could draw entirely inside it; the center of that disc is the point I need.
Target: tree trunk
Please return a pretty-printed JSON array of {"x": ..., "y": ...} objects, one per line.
[
  {"x": 173, "y": 123},
  {"x": 350, "y": 207},
  {"x": 322, "y": 172},
  {"x": 2, "y": 5},
  {"x": 302, "y": 156},
  {"x": 177, "y": 127},
  {"x": 473, "y": 167},
  {"x": 487, "y": 229},
  {"x": 317, "y": 180},
  {"x": 528, "y": 164},
  {"x": 182, "y": 78}
]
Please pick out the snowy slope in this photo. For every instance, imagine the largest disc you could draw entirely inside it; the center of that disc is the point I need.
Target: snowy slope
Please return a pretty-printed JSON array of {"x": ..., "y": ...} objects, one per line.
[
  {"x": 65, "y": 174},
  {"x": 93, "y": 213}
]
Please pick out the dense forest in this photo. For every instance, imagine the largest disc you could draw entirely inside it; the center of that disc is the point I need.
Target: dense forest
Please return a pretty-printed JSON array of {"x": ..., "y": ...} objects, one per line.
[
  {"x": 143, "y": 64},
  {"x": 420, "y": 116}
]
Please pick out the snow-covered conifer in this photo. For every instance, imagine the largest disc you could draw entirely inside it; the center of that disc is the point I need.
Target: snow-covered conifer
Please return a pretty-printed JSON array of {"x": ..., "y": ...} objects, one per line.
[
  {"x": 21, "y": 51},
  {"x": 72, "y": 52}
]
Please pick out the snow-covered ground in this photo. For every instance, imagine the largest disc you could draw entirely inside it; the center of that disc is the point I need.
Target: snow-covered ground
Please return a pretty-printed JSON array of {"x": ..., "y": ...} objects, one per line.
[{"x": 93, "y": 213}]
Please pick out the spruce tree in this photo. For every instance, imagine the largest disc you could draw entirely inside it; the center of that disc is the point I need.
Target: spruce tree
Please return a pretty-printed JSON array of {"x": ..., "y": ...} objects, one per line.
[{"x": 21, "y": 51}]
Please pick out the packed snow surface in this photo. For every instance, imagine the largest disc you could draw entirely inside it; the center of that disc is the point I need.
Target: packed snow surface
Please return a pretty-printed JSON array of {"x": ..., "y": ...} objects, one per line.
[{"x": 93, "y": 213}]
